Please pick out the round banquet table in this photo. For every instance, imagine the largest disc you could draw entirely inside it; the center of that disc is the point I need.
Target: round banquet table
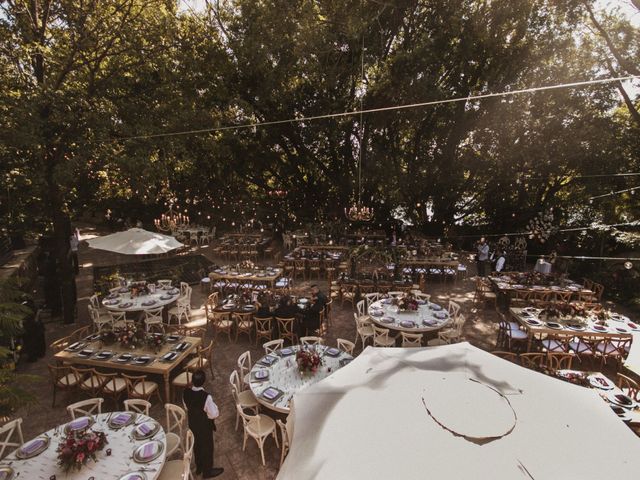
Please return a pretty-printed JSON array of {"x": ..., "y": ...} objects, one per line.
[
  {"x": 122, "y": 302},
  {"x": 428, "y": 318},
  {"x": 118, "y": 464},
  {"x": 285, "y": 377}
]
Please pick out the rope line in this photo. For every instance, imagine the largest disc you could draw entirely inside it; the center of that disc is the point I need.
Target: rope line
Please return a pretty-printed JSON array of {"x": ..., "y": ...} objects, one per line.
[{"x": 375, "y": 110}]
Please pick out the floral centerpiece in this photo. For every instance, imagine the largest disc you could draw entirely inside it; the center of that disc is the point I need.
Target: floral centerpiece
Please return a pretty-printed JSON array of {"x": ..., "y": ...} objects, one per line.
[
  {"x": 78, "y": 447},
  {"x": 406, "y": 303},
  {"x": 129, "y": 336},
  {"x": 139, "y": 289},
  {"x": 308, "y": 361},
  {"x": 246, "y": 265},
  {"x": 602, "y": 316},
  {"x": 557, "y": 310},
  {"x": 107, "y": 335},
  {"x": 155, "y": 341}
]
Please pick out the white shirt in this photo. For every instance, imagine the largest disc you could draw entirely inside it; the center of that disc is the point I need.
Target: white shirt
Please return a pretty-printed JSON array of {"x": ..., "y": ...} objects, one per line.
[
  {"x": 500, "y": 264},
  {"x": 210, "y": 408},
  {"x": 73, "y": 243},
  {"x": 483, "y": 252}
]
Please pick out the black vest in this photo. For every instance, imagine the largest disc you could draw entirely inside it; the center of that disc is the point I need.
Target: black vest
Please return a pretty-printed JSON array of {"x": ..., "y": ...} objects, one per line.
[{"x": 199, "y": 422}]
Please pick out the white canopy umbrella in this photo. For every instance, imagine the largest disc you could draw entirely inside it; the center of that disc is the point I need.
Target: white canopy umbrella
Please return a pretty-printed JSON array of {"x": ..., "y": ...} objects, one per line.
[
  {"x": 453, "y": 412},
  {"x": 135, "y": 241}
]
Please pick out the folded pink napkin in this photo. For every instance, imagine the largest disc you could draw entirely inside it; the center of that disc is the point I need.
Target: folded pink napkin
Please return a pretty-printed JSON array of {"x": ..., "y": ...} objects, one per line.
[
  {"x": 33, "y": 446},
  {"x": 145, "y": 428},
  {"x": 120, "y": 418},
  {"x": 149, "y": 449}
]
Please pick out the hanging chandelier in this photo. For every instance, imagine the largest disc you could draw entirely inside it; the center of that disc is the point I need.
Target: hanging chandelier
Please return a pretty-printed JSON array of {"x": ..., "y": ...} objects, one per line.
[
  {"x": 359, "y": 212},
  {"x": 171, "y": 221}
]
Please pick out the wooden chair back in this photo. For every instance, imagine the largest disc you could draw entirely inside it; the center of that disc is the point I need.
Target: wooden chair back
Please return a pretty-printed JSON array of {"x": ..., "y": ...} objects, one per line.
[
  {"x": 346, "y": 345},
  {"x": 92, "y": 406},
  {"x": 285, "y": 326},
  {"x": 7, "y": 432},
  {"x": 273, "y": 346},
  {"x": 137, "y": 405}
]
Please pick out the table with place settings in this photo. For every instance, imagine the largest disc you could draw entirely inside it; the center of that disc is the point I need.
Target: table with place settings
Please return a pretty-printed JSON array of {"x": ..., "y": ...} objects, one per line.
[
  {"x": 428, "y": 318},
  {"x": 135, "y": 450},
  {"x": 92, "y": 352},
  {"x": 617, "y": 325},
  {"x": 622, "y": 405},
  {"x": 123, "y": 301},
  {"x": 275, "y": 378}
]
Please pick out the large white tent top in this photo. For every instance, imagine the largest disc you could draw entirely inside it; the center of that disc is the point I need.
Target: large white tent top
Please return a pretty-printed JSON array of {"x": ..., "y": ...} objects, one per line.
[
  {"x": 135, "y": 241},
  {"x": 453, "y": 412}
]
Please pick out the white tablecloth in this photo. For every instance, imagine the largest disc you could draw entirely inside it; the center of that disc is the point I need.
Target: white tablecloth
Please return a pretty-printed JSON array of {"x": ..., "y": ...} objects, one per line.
[
  {"x": 138, "y": 303},
  {"x": 424, "y": 319},
  {"x": 106, "y": 467},
  {"x": 284, "y": 376}
]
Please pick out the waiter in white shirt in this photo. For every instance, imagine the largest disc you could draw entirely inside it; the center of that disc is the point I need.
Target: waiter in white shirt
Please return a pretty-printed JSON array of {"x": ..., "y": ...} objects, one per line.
[
  {"x": 202, "y": 413},
  {"x": 500, "y": 261},
  {"x": 483, "y": 257}
]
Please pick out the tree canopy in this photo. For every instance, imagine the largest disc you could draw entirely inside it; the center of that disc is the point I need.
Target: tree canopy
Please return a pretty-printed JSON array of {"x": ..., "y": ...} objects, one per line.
[{"x": 89, "y": 87}]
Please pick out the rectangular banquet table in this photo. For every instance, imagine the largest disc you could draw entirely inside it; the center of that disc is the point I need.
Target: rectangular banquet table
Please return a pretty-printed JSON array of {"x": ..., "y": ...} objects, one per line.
[
  {"x": 573, "y": 375},
  {"x": 156, "y": 367},
  {"x": 242, "y": 277},
  {"x": 532, "y": 330},
  {"x": 508, "y": 286},
  {"x": 436, "y": 263}
]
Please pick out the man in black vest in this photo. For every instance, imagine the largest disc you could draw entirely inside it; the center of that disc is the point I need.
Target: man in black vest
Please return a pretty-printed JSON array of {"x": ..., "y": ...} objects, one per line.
[{"x": 202, "y": 412}]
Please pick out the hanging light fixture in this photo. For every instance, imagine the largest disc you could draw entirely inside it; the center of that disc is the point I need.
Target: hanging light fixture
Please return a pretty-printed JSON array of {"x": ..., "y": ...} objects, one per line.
[
  {"x": 171, "y": 220},
  {"x": 359, "y": 212}
]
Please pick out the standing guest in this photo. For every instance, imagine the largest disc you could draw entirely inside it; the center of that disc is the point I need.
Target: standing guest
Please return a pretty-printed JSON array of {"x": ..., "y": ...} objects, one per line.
[
  {"x": 74, "y": 240},
  {"x": 483, "y": 257},
  {"x": 202, "y": 413},
  {"x": 500, "y": 261}
]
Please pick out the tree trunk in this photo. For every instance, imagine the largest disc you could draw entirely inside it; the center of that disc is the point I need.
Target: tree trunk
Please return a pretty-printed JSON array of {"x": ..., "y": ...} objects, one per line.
[{"x": 61, "y": 235}]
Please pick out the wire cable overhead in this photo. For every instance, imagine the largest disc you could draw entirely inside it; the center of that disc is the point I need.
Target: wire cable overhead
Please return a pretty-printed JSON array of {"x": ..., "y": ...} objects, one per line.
[{"x": 380, "y": 109}]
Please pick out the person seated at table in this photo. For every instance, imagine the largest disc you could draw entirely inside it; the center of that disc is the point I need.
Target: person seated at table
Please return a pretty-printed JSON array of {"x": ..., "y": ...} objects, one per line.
[
  {"x": 202, "y": 412},
  {"x": 262, "y": 304},
  {"x": 311, "y": 320},
  {"x": 286, "y": 308}
]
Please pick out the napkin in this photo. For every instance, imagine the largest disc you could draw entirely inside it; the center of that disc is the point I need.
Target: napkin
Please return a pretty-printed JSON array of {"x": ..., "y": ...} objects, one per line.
[
  {"x": 149, "y": 449},
  {"x": 145, "y": 428},
  {"x": 32, "y": 446},
  {"x": 79, "y": 423},
  {"x": 270, "y": 393},
  {"x": 268, "y": 360},
  {"x": 121, "y": 418}
]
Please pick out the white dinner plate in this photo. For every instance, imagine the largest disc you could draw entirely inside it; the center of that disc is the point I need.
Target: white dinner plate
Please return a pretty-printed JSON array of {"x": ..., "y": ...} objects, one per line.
[
  {"x": 148, "y": 452},
  {"x": 600, "y": 382},
  {"x": 32, "y": 448},
  {"x": 621, "y": 399}
]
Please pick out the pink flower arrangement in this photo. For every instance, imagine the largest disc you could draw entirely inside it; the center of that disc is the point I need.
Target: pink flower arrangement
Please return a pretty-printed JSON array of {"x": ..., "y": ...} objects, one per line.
[
  {"x": 129, "y": 336},
  {"x": 78, "y": 447},
  {"x": 308, "y": 361},
  {"x": 406, "y": 303}
]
